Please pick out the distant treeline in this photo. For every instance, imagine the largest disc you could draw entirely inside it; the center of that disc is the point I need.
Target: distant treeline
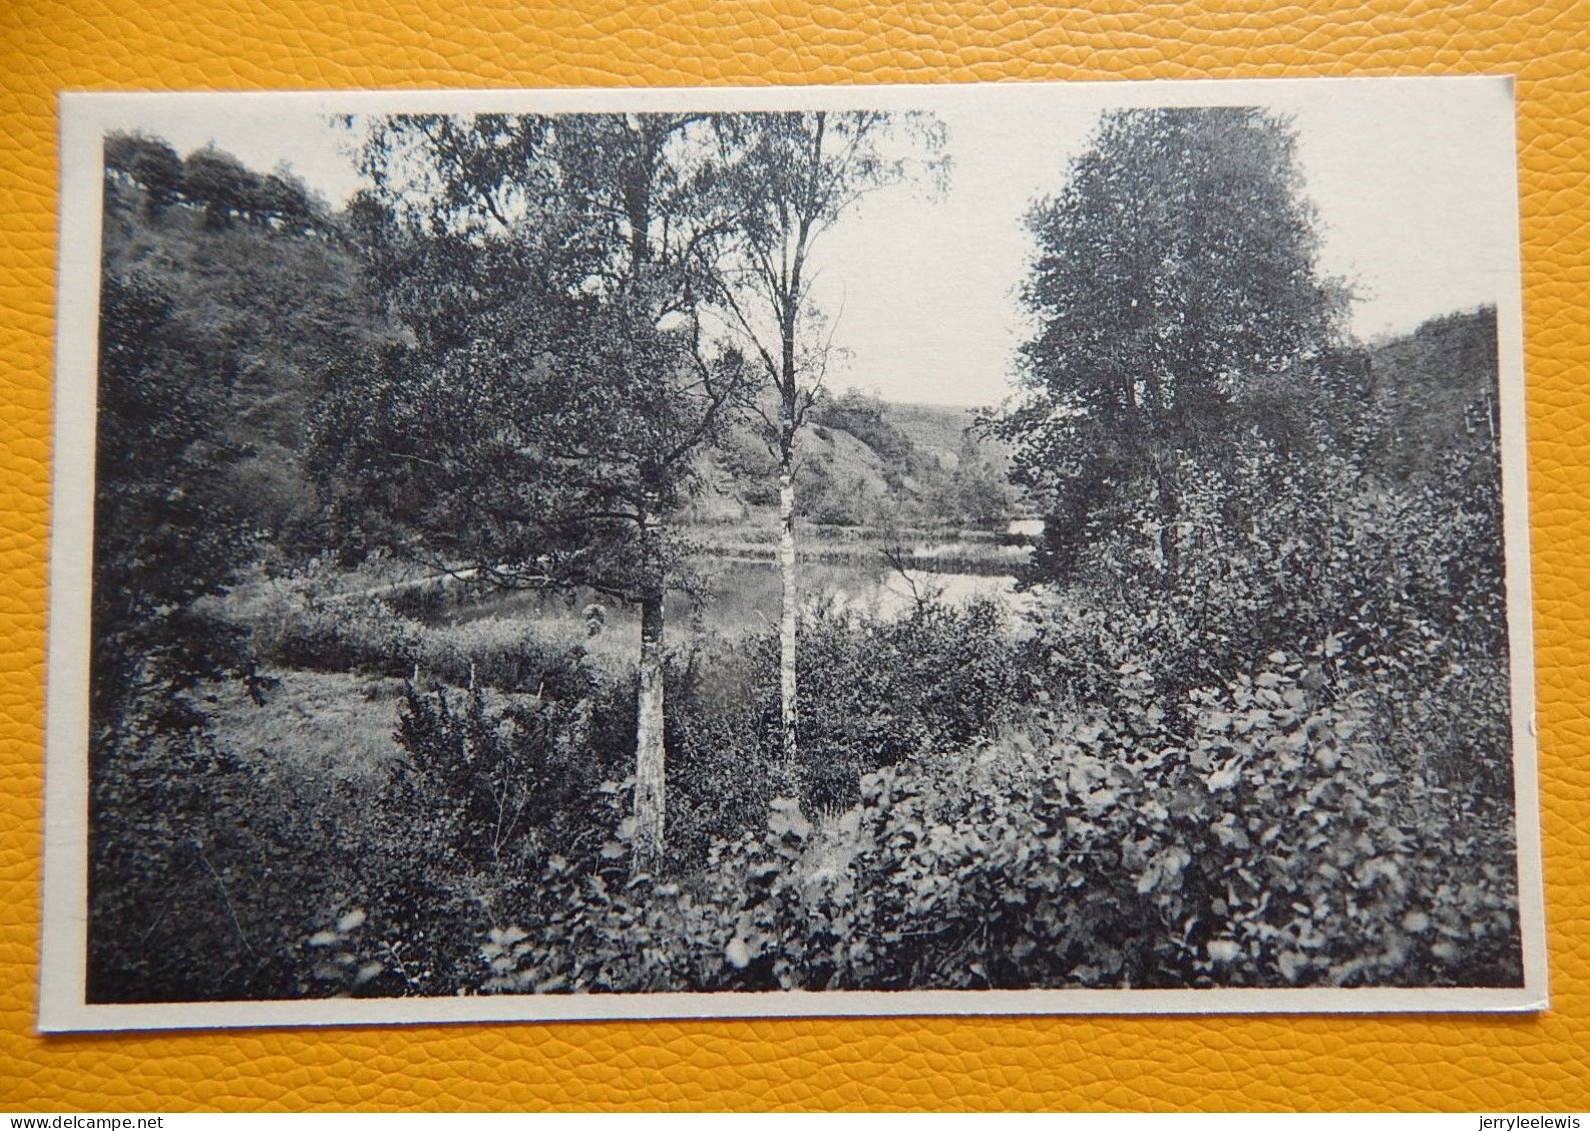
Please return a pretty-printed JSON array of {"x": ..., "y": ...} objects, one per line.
[{"x": 216, "y": 183}]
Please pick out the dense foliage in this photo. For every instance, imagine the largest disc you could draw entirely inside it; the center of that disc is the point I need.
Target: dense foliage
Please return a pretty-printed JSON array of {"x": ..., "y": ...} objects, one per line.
[
  {"x": 1263, "y": 843},
  {"x": 539, "y": 415}
]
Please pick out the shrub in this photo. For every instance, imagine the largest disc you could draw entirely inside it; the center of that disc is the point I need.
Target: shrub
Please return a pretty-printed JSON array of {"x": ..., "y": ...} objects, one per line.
[
  {"x": 1264, "y": 843},
  {"x": 875, "y": 690},
  {"x": 201, "y": 868},
  {"x": 722, "y": 741},
  {"x": 510, "y": 656},
  {"x": 520, "y": 776},
  {"x": 1403, "y": 578},
  {"x": 290, "y": 627},
  {"x": 346, "y": 636}
]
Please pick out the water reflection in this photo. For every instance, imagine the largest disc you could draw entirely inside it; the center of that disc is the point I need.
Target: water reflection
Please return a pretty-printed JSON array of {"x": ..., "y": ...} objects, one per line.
[
  {"x": 744, "y": 596},
  {"x": 745, "y": 591}
]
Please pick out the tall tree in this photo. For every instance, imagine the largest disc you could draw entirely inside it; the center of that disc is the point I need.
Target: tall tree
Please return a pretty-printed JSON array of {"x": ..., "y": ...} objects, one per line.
[
  {"x": 797, "y": 174},
  {"x": 540, "y": 425},
  {"x": 1176, "y": 291}
]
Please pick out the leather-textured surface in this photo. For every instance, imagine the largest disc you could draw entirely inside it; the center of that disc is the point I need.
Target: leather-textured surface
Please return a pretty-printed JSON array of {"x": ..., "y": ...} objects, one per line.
[{"x": 1406, "y": 1062}]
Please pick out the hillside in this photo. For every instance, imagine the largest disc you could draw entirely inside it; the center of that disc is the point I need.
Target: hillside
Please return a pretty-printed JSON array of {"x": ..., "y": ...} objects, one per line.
[
  {"x": 937, "y": 431},
  {"x": 259, "y": 310},
  {"x": 1434, "y": 396},
  {"x": 867, "y": 462}
]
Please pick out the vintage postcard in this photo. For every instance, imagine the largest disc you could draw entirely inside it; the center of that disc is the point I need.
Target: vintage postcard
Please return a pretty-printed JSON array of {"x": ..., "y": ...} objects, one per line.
[{"x": 592, "y": 554}]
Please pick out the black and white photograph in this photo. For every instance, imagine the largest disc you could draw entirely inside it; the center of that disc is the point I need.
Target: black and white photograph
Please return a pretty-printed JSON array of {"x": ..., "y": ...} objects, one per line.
[{"x": 536, "y": 555}]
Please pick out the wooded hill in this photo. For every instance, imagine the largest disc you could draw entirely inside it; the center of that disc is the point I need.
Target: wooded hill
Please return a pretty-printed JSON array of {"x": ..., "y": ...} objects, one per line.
[
  {"x": 1437, "y": 388},
  {"x": 873, "y": 463}
]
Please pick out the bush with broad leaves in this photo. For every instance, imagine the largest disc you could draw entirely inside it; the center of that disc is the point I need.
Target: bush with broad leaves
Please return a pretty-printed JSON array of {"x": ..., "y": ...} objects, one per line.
[{"x": 1258, "y": 835}]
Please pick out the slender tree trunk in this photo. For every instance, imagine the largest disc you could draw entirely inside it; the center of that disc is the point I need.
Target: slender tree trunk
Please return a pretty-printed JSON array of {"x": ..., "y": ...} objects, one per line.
[
  {"x": 788, "y": 715},
  {"x": 1169, "y": 520},
  {"x": 650, "y": 754}
]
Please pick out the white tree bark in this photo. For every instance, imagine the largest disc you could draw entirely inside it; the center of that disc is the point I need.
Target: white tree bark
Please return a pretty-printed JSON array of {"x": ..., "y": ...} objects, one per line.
[
  {"x": 788, "y": 715},
  {"x": 651, "y": 773},
  {"x": 651, "y": 769}
]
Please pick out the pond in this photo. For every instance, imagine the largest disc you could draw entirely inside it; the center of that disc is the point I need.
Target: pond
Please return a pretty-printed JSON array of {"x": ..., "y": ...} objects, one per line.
[{"x": 744, "y": 596}]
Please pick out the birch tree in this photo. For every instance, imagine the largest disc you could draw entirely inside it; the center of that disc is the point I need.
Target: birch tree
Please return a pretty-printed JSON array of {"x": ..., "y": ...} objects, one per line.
[
  {"x": 539, "y": 426},
  {"x": 797, "y": 175}
]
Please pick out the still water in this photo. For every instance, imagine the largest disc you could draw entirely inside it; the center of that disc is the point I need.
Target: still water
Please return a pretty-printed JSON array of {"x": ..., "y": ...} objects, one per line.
[{"x": 744, "y": 595}]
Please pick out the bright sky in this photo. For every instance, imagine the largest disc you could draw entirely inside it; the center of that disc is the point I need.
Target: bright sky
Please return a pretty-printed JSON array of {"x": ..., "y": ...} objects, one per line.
[{"x": 1413, "y": 179}]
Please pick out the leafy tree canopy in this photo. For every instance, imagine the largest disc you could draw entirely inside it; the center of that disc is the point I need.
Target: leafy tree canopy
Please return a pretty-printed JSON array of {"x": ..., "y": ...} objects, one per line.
[
  {"x": 1176, "y": 292},
  {"x": 554, "y": 381}
]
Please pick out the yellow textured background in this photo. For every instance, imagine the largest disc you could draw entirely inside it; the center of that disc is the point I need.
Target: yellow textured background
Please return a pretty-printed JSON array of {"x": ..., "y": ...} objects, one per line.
[{"x": 1306, "y": 1062}]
